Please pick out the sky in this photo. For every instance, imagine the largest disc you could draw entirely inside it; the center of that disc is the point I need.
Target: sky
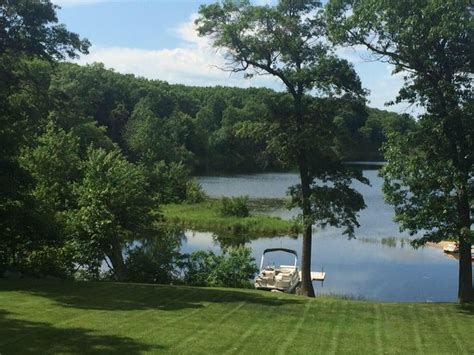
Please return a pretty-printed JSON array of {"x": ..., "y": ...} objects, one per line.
[{"x": 156, "y": 39}]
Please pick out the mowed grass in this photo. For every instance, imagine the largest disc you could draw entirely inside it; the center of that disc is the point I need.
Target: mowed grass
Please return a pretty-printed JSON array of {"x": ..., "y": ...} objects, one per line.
[
  {"x": 205, "y": 216},
  {"x": 38, "y": 316}
]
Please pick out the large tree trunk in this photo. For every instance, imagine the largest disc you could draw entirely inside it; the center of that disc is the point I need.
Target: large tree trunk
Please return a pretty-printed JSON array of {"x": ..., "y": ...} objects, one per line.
[
  {"x": 465, "y": 272},
  {"x": 465, "y": 290},
  {"x": 306, "y": 283},
  {"x": 118, "y": 264},
  {"x": 305, "y": 179}
]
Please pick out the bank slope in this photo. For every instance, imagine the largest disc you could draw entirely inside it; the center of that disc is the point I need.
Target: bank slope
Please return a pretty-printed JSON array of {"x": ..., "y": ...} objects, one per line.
[{"x": 39, "y": 316}]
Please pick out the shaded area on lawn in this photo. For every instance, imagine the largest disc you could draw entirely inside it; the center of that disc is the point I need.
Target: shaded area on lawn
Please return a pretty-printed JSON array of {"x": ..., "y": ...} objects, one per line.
[
  {"x": 29, "y": 337},
  {"x": 467, "y": 309},
  {"x": 118, "y": 296}
]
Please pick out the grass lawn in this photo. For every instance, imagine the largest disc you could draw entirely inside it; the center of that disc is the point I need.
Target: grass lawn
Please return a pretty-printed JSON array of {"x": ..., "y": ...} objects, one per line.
[
  {"x": 205, "y": 217},
  {"x": 38, "y": 316}
]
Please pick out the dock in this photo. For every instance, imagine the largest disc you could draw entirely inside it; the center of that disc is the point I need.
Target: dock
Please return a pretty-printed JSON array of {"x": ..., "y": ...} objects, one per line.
[{"x": 316, "y": 276}]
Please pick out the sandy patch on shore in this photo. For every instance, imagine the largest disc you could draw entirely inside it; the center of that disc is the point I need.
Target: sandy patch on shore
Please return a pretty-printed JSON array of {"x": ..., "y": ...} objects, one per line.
[{"x": 441, "y": 245}]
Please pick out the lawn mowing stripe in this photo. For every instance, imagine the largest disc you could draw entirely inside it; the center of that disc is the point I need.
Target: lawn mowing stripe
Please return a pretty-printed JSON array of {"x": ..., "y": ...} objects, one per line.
[
  {"x": 377, "y": 329},
  {"x": 335, "y": 331},
  {"x": 186, "y": 315},
  {"x": 448, "y": 325},
  {"x": 415, "y": 324},
  {"x": 235, "y": 347},
  {"x": 269, "y": 316},
  {"x": 202, "y": 330},
  {"x": 169, "y": 300},
  {"x": 323, "y": 334},
  {"x": 296, "y": 329},
  {"x": 250, "y": 330},
  {"x": 440, "y": 318}
]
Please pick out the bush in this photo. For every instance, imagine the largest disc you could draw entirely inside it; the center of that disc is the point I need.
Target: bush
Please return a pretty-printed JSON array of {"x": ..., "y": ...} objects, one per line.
[
  {"x": 235, "y": 206},
  {"x": 49, "y": 261},
  {"x": 169, "y": 182},
  {"x": 156, "y": 259},
  {"x": 235, "y": 267},
  {"x": 194, "y": 192}
]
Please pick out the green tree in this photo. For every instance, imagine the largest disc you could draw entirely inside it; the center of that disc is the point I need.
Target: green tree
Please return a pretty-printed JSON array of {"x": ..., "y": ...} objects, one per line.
[
  {"x": 28, "y": 31},
  {"x": 430, "y": 42},
  {"x": 287, "y": 41},
  {"x": 54, "y": 164},
  {"x": 113, "y": 206}
]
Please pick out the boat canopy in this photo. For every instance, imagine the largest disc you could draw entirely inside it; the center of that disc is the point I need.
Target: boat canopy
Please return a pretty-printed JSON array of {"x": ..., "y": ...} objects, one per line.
[{"x": 291, "y": 251}]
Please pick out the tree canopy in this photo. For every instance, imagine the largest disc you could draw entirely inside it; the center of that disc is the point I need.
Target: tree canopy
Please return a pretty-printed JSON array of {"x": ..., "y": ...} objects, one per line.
[
  {"x": 288, "y": 41},
  {"x": 429, "y": 176}
]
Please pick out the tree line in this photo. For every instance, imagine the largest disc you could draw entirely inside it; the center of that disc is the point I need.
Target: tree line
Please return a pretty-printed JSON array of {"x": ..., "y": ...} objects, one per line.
[{"x": 154, "y": 121}]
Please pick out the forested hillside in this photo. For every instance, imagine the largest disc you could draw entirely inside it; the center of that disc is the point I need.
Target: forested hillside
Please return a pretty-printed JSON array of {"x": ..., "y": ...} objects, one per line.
[{"x": 154, "y": 121}]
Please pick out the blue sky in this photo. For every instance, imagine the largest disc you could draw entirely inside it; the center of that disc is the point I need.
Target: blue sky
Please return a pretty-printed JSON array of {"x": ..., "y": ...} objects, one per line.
[{"x": 156, "y": 39}]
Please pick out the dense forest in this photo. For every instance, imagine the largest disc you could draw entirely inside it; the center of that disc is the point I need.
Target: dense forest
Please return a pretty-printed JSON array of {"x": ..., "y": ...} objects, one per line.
[{"x": 154, "y": 121}]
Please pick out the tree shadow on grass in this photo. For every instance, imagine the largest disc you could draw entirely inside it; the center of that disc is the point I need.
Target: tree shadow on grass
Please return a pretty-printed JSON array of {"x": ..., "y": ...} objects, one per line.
[
  {"x": 27, "y": 337},
  {"x": 467, "y": 309},
  {"x": 126, "y": 296}
]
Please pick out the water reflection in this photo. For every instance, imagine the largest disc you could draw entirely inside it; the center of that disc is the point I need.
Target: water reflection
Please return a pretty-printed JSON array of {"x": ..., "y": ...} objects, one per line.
[
  {"x": 378, "y": 264},
  {"x": 361, "y": 269}
]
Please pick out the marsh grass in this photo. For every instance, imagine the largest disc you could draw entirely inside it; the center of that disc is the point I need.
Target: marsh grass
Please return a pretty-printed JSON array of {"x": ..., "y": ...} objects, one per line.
[{"x": 207, "y": 217}]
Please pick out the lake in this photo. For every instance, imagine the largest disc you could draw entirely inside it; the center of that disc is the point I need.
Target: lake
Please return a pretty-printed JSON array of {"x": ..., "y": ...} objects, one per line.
[{"x": 379, "y": 264}]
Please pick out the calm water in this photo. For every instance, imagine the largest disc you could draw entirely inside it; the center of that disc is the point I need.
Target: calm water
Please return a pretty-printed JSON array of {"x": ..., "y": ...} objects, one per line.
[{"x": 378, "y": 264}]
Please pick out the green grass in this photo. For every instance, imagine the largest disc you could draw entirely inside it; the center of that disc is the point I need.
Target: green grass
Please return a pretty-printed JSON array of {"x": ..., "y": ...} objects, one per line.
[
  {"x": 205, "y": 217},
  {"x": 38, "y": 316}
]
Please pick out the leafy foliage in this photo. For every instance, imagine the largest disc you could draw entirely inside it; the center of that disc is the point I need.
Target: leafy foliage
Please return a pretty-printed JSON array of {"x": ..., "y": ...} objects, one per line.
[
  {"x": 429, "y": 173},
  {"x": 156, "y": 259},
  {"x": 233, "y": 268},
  {"x": 194, "y": 192},
  {"x": 235, "y": 206},
  {"x": 28, "y": 31},
  {"x": 169, "y": 182},
  {"x": 113, "y": 206}
]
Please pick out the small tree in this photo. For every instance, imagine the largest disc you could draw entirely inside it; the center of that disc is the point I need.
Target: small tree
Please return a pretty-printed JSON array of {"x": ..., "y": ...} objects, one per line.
[
  {"x": 113, "y": 207},
  {"x": 430, "y": 174},
  {"x": 288, "y": 42}
]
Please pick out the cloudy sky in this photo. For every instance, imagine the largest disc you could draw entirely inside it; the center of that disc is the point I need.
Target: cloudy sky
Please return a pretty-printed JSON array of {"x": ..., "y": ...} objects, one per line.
[{"x": 156, "y": 39}]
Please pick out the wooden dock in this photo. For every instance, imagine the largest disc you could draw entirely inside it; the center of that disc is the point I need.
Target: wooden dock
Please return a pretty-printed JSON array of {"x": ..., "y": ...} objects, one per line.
[{"x": 316, "y": 276}]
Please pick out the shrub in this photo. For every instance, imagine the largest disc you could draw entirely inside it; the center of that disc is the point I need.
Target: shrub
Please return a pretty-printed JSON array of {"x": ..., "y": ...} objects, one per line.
[
  {"x": 235, "y": 206},
  {"x": 235, "y": 267},
  {"x": 169, "y": 182},
  {"x": 194, "y": 192},
  {"x": 156, "y": 259},
  {"x": 49, "y": 261}
]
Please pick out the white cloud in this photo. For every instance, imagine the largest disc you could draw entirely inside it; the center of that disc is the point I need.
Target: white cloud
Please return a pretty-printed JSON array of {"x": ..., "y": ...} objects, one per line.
[
  {"x": 64, "y": 3},
  {"x": 386, "y": 89},
  {"x": 377, "y": 76},
  {"x": 194, "y": 62}
]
